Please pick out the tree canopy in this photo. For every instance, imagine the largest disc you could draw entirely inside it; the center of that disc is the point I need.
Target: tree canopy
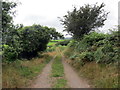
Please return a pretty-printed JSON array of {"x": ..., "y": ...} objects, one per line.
[
  {"x": 7, "y": 19},
  {"x": 23, "y": 41},
  {"x": 85, "y": 19},
  {"x": 35, "y": 38}
]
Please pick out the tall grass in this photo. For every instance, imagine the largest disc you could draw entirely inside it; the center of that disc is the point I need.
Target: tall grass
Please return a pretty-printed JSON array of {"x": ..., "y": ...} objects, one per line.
[
  {"x": 100, "y": 76},
  {"x": 21, "y": 73},
  {"x": 95, "y": 57}
]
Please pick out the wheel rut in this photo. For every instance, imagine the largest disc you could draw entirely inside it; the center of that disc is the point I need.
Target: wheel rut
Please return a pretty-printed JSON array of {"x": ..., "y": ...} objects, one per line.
[
  {"x": 74, "y": 81},
  {"x": 43, "y": 80}
]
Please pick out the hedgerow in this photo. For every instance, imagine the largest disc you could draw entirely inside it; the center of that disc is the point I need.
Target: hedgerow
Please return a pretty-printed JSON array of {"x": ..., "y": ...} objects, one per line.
[{"x": 98, "y": 47}]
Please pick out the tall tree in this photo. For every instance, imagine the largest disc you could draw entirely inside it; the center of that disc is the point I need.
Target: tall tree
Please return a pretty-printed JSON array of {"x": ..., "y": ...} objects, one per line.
[
  {"x": 7, "y": 19},
  {"x": 82, "y": 21}
]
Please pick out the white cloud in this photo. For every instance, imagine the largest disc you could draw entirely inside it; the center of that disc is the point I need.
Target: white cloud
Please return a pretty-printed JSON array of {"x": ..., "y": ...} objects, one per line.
[{"x": 45, "y": 12}]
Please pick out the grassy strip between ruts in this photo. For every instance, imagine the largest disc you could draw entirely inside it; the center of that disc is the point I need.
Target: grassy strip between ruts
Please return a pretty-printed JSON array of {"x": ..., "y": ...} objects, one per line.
[
  {"x": 58, "y": 73},
  {"x": 21, "y": 73}
]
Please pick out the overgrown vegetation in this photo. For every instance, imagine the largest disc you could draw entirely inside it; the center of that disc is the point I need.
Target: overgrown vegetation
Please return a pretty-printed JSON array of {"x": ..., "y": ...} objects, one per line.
[
  {"x": 88, "y": 46},
  {"x": 20, "y": 46},
  {"x": 100, "y": 75},
  {"x": 63, "y": 43},
  {"x": 27, "y": 42},
  {"x": 23, "y": 42},
  {"x": 51, "y": 46},
  {"x": 103, "y": 49},
  {"x": 19, "y": 74},
  {"x": 98, "y": 47},
  {"x": 94, "y": 55}
]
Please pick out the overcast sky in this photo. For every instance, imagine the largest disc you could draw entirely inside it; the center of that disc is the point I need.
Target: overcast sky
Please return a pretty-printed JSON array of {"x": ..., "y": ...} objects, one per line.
[{"x": 46, "y": 12}]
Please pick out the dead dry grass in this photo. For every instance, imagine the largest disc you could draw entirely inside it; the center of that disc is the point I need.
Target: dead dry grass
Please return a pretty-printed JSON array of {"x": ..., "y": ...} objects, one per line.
[
  {"x": 21, "y": 72},
  {"x": 101, "y": 76},
  {"x": 98, "y": 75}
]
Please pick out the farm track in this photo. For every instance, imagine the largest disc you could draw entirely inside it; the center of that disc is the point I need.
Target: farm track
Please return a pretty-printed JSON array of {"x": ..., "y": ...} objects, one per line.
[
  {"x": 43, "y": 80},
  {"x": 73, "y": 80}
]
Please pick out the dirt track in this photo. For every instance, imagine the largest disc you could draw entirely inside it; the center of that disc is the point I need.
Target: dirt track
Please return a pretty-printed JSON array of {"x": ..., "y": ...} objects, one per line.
[
  {"x": 74, "y": 81},
  {"x": 43, "y": 80}
]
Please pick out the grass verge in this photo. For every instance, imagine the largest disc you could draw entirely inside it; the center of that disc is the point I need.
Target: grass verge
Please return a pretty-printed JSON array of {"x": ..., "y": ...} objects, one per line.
[
  {"x": 98, "y": 75},
  {"x": 21, "y": 72}
]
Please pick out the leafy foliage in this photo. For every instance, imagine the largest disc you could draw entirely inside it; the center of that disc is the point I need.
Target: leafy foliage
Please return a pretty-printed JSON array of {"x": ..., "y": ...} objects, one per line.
[
  {"x": 20, "y": 41},
  {"x": 85, "y": 19},
  {"x": 63, "y": 43},
  {"x": 94, "y": 37},
  {"x": 9, "y": 54},
  {"x": 7, "y": 19},
  {"x": 98, "y": 47}
]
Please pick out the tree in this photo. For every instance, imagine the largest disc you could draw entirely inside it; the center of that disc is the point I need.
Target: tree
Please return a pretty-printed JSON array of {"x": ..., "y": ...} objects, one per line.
[
  {"x": 20, "y": 41},
  {"x": 34, "y": 39},
  {"x": 7, "y": 20},
  {"x": 54, "y": 34},
  {"x": 82, "y": 21}
]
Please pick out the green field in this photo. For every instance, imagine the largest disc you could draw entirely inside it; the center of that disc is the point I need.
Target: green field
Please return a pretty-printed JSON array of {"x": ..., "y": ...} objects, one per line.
[
  {"x": 53, "y": 42},
  {"x": 58, "y": 40}
]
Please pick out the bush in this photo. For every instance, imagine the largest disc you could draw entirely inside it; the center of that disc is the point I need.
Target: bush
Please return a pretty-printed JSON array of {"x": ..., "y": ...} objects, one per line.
[
  {"x": 63, "y": 43},
  {"x": 81, "y": 46},
  {"x": 106, "y": 54},
  {"x": 98, "y": 54},
  {"x": 72, "y": 44},
  {"x": 69, "y": 52},
  {"x": 73, "y": 57},
  {"x": 50, "y": 49},
  {"x": 99, "y": 47},
  {"x": 86, "y": 56},
  {"x": 94, "y": 37},
  {"x": 9, "y": 54},
  {"x": 26, "y": 42}
]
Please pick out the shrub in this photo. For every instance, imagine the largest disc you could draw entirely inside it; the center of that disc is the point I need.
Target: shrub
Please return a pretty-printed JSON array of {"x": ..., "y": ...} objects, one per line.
[
  {"x": 72, "y": 43},
  {"x": 9, "y": 54},
  {"x": 50, "y": 49},
  {"x": 63, "y": 43},
  {"x": 106, "y": 54},
  {"x": 95, "y": 46},
  {"x": 69, "y": 52},
  {"x": 98, "y": 54},
  {"x": 94, "y": 37},
  {"x": 81, "y": 46},
  {"x": 73, "y": 56},
  {"x": 86, "y": 56}
]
